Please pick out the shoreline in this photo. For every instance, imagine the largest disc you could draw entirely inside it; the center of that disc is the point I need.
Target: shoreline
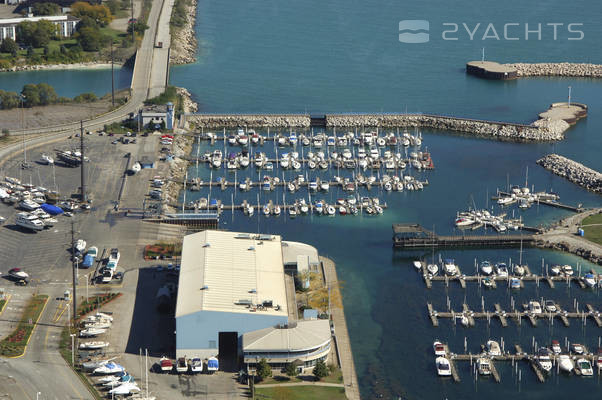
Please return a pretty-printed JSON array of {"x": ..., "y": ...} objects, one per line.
[
  {"x": 58, "y": 67},
  {"x": 185, "y": 48}
]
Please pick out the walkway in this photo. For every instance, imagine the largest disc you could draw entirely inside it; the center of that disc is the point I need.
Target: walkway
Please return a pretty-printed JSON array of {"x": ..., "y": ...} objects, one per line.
[
  {"x": 342, "y": 336},
  {"x": 269, "y": 385}
]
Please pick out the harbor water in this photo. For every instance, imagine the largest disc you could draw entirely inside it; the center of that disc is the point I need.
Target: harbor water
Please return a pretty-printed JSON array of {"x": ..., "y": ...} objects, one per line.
[{"x": 266, "y": 57}]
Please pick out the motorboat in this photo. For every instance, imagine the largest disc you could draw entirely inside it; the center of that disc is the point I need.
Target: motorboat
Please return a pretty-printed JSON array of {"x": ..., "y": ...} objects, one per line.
[
  {"x": 165, "y": 364},
  {"x": 584, "y": 367},
  {"x": 599, "y": 358},
  {"x": 534, "y": 307},
  {"x": 501, "y": 270},
  {"x": 484, "y": 366},
  {"x": 276, "y": 210},
  {"x": 464, "y": 221},
  {"x": 555, "y": 270},
  {"x": 515, "y": 283},
  {"x": 330, "y": 210},
  {"x": 493, "y": 348},
  {"x": 577, "y": 348},
  {"x": 93, "y": 345},
  {"x": 432, "y": 269},
  {"x": 567, "y": 270},
  {"x": 439, "y": 348},
  {"x": 29, "y": 222},
  {"x": 181, "y": 365},
  {"x": 196, "y": 365},
  {"x": 109, "y": 368},
  {"x": 212, "y": 364},
  {"x": 590, "y": 280},
  {"x": 550, "y": 306},
  {"x": 464, "y": 320},
  {"x": 101, "y": 324},
  {"x": 125, "y": 378},
  {"x": 488, "y": 282},
  {"x": 506, "y": 200},
  {"x": 125, "y": 389},
  {"x": 111, "y": 378},
  {"x": 443, "y": 366},
  {"x": 18, "y": 273},
  {"x": 519, "y": 270},
  {"x": 565, "y": 363},
  {"x": 91, "y": 332},
  {"x": 486, "y": 268},
  {"x": 136, "y": 167},
  {"x": 556, "y": 349},
  {"x": 543, "y": 360},
  {"x": 80, "y": 245},
  {"x": 114, "y": 255},
  {"x": 449, "y": 267},
  {"x": 28, "y": 205},
  {"x": 46, "y": 159},
  {"x": 418, "y": 264}
]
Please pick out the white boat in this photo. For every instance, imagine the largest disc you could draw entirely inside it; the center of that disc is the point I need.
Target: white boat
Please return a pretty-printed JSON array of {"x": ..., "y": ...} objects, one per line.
[
  {"x": 484, "y": 366},
  {"x": 196, "y": 365},
  {"x": 93, "y": 345},
  {"x": 109, "y": 368},
  {"x": 110, "y": 378},
  {"x": 119, "y": 381},
  {"x": 534, "y": 307},
  {"x": 443, "y": 367},
  {"x": 449, "y": 267},
  {"x": 330, "y": 210},
  {"x": 324, "y": 186},
  {"x": 292, "y": 211},
  {"x": 438, "y": 348},
  {"x": 136, "y": 167},
  {"x": 584, "y": 367},
  {"x": 590, "y": 280},
  {"x": 28, "y": 205},
  {"x": 493, "y": 348},
  {"x": 464, "y": 221},
  {"x": 101, "y": 324},
  {"x": 91, "y": 332},
  {"x": 565, "y": 363},
  {"x": 30, "y": 223},
  {"x": 501, "y": 270},
  {"x": 276, "y": 210},
  {"x": 46, "y": 159},
  {"x": 80, "y": 245},
  {"x": 17, "y": 273},
  {"x": 555, "y": 270},
  {"x": 550, "y": 306},
  {"x": 577, "y": 348},
  {"x": 519, "y": 270},
  {"x": 556, "y": 347},
  {"x": 503, "y": 201},
  {"x": 486, "y": 268},
  {"x": 432, "y": 269},
  {"x": 418, "y": 264},
  {"x": 544, "y": 361},
  {"x": 567, "y": 270},
  {"x": 181, "y": 365},
  {"x": 125, "y": 389}
]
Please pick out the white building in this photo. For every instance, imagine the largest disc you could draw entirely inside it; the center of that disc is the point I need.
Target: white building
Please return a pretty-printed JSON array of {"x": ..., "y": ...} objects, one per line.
[
  {"x": 66, "y": 25},
  {"x": 230, "y": 284}
]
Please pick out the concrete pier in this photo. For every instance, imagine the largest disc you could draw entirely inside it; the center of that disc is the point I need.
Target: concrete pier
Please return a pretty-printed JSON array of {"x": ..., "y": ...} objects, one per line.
[{"x": 491, "y": 70}]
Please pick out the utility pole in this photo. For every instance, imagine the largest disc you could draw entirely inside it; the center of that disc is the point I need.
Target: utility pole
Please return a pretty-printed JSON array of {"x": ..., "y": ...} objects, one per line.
[
  {"x": 112, "y": 76},
  {"x": 84, "y": 197},
  {"x": 73, "y": 266}
]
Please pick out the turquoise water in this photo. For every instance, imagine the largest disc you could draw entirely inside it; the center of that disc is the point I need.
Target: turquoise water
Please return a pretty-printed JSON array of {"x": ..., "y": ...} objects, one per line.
[
  {"x": 344, "y": 56},
  {"x": 69, "y": 83}
]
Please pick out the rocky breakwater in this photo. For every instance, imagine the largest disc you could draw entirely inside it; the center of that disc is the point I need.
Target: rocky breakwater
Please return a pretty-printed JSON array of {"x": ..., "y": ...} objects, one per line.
[
  {"x": 573, "y": 171},
  {"x": 250, "y": 120},
  {"x": 557, "y": 69},
  {"x": 183, "y": 42},
  {"x": 181, "y": 147},
  {"x": 580, "y": 251},
  {"x": 541, "y": 130}
]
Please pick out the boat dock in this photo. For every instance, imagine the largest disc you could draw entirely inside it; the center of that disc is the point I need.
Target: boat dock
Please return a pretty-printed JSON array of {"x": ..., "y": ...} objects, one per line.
[
  {"x": 414, "y": 236},
  {"x": 546, "y": 202},
  {"x": 518, "y": 316}
]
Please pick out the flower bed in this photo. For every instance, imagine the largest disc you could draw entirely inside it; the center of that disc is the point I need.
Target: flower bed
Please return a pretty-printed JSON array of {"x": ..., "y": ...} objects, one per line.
[
  {"x": 14, "y": 344},
  {"x": 95, "y": 302}
]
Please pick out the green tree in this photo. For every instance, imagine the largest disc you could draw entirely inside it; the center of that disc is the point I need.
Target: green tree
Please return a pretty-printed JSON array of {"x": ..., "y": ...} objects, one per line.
[
  {"x": 30, "y": 52},
  {"x": 47, "y": 94},
  {"x": 263, "y": 369},
  {"x": 291, "y": 370},
  {"x": 8, "y": 100},
  {"x": 46, "y": 9},
  {"x": 36, "y": 34},
  {"x": 31, "y": 94},
  {"x": 9, "y": 46},
  {"x": 320, "y": 370},
  {"x": 138, "y": 27},
  {"x": 85, "y": 98},
  {"x": 113, "y": 6},
  {"x": 90, "y": 39},
  {"x": 99, "y": 13}
]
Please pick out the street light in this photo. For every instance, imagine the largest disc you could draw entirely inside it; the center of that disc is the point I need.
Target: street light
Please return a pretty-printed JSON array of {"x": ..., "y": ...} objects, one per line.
[
  {"x": 38, "y": 395},
  {"x": 72, "y": 349}
]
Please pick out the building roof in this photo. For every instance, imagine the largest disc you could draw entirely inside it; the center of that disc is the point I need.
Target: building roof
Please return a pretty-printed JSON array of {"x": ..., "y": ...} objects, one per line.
[
  {"x": 290, "y": 251},
  {"x": 302, "y": 336},
  {"x": 52, "y": 18},
  {"x": 231, "y": 272}
]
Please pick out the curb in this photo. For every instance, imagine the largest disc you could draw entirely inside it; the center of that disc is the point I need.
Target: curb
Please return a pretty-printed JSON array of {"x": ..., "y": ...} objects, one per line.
[{"x": 5, "y": 303}]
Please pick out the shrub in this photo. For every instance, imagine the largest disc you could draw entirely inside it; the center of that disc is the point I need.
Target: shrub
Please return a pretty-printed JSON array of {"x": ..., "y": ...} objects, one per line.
[
  {"x": 320, "y": 370},
  {"x": 291, "y": 370},
  {"x": 263, "y": 369}
]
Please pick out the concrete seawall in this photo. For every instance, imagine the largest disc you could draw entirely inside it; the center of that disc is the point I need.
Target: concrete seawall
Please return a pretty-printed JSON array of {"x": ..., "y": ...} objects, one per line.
[
  {"x": 573, "y": 171},
  {"x": 494, "y": 70},
  {"x": 546, "y": 129}
]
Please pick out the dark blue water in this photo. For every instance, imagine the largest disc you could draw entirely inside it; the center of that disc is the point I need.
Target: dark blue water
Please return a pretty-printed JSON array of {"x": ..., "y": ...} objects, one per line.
[
  {"x": 345, "y": 56},
  {"x": 69, "y": 83}
]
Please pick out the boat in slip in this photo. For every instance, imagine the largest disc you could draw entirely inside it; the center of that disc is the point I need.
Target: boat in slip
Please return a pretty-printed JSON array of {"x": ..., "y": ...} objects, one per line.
[
  {"x": 432, "y": 269},
  {"x": 484, "y": 366},
  {"x": 181, "y": 365},
  {"x": 543, "y": 360},
  {"x": 556, "y": 347},
  {"x": 565, "y": 363},
  {"x": 417, "y": 264},
  {"x": 449, "y": 267},
  {"x": 584, "y": 367},
  {"x": 438, "y": 348},
  {"x": 443, "y": 366},
  {"x": 590, "y": 280},
  {"x": 493, "y": 348},
  {"x": 577, "y": 348},
  {"x": 462, "y": 221},
  {"x": 196, "y": 365},
  {"x": 165, "y": 364},
  {"x": 501, "y": 269},
  {"x": 486, "y": 268},
  {"x": 109, "y": 368},
  {"x": 599, "y": 358},
  {"x": 93, "y": 345}
]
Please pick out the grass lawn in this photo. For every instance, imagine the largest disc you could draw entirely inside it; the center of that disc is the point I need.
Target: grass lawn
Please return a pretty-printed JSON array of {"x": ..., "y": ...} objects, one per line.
[
  {"x": 593, "y": 233},
  {"x": 14, "y": 344},
  {"x": 308, "y": 392}
]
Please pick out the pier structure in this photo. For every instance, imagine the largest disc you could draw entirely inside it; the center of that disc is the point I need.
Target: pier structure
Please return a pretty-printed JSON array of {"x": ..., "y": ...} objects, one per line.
[
  {"x": 414, "y": 236},
  {"x": 550, "y": 203}
]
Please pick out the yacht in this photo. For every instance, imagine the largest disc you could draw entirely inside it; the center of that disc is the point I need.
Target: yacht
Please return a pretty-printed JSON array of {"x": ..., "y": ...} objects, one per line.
[
  {"x": 93, "y": 345},
  {"x": 556, "y": 347},
  {"x": 109, "y": 368},
  {"x": 449, "y": 267},
  {"x": 443, "y": 366},
  {"x": 534, "y": 307},
  {"x": 136, "y": 167},
  {"x": 46, "y": 159},
  {"x": 504, "y": 201},
  {"x": 543, "y": 360},
  {"x": 555, "y": 270},
  {"x": 577, "y": 348},
  {"x": 585, "y": 367},
  {"x": 91, "y": 332},
  {"x": 493, "y": 348},
  {"x": 484, "y": 366},
  {"x": 165, "y": 364},
  {"x": 438, "y": 348},
  {"x": 515, "y": 283},
  {"x": 519, "y": 270},
  {"x": 590, "y": 280},
  {"x": 196, "y": 365},
  {"x": 567, "y": 270},
  {"x": 432, "y": 269},
  {"x": 565, "y": 363},
  {"x": 212, "y": 364},
  {"x": 125, "y": 389},
  {"x": 181, "y": 365},
  {"x": 418, "y": 264},
  {"x": 486, "y": 268},
  {"x": 29, "y": 205},
  {"x": 501, "y": 270},
  {"x": 27, "y": 222},
  {"x": 550, "y": 306},
  {"x": 464, "y": 221}
]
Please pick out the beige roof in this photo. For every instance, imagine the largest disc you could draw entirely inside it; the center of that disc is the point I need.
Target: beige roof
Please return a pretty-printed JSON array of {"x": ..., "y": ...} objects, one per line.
[
  {"x": 220, "y": 269},
  {"x": 307, "y": 335}
]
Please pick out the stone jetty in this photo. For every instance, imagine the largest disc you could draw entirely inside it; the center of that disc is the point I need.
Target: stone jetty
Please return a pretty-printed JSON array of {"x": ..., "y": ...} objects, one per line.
[
  {"x": 548, "y": 127},
  {"x": 183, "y": 49},
  {"x": 494, "y": 70},
  {"x": 573, "y": 171}
]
